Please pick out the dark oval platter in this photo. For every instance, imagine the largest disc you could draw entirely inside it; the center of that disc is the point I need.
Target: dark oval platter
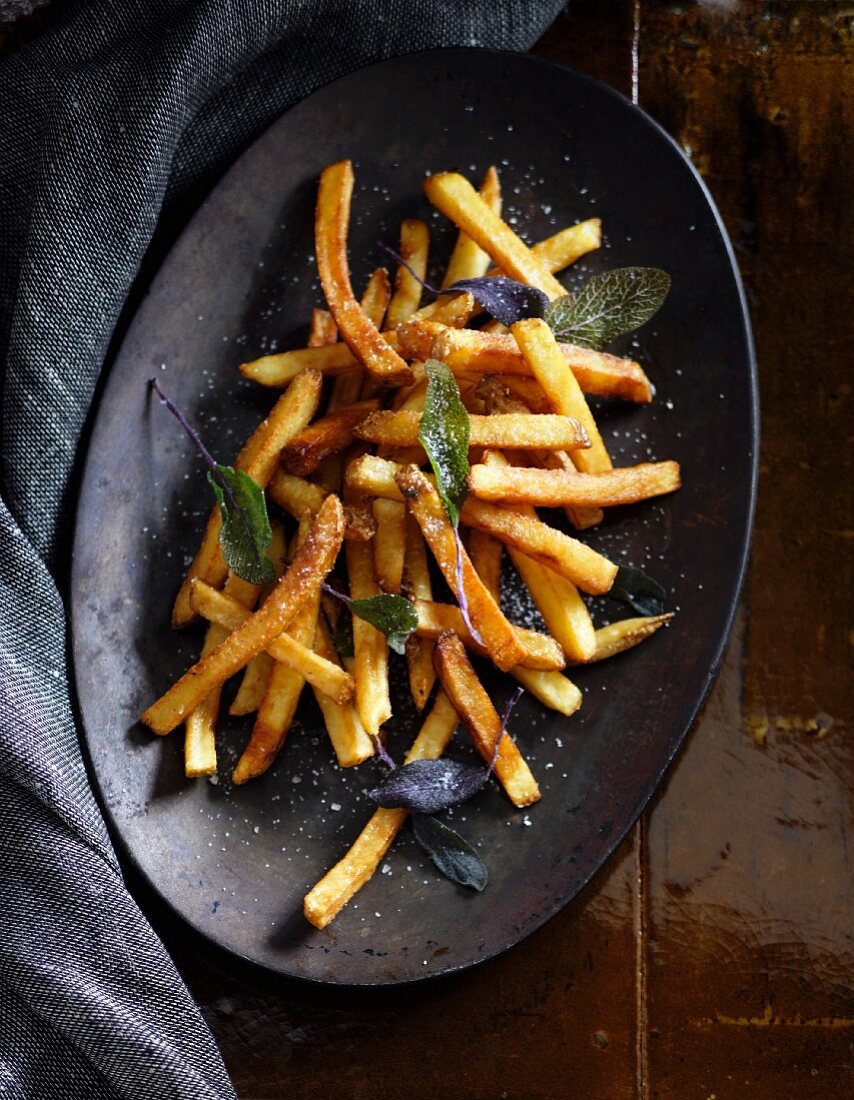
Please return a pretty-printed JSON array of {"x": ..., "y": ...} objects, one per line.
[{"x": 241, "y": 280}]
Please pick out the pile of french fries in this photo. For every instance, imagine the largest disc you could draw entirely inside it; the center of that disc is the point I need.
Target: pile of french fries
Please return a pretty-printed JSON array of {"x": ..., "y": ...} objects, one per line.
[{"x": 339, "y": 453}]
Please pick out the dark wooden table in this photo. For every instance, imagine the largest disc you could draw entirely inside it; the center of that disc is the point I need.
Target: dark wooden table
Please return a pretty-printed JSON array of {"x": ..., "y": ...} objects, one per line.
[{"x": 713, "y": 957}]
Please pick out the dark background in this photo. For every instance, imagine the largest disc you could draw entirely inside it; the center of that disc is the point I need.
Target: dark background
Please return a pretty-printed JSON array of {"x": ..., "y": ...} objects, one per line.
[{"x": 713, "y": 956}]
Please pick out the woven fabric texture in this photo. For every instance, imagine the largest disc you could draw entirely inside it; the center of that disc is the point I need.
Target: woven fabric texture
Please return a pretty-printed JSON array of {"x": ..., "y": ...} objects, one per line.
[{"x": 119, "y": 113}]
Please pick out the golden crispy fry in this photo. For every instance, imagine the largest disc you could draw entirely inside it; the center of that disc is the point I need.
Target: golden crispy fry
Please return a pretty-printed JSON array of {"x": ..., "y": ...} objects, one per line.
[
  {"x": 543, "y": 355},
  {"x": 414, "y": 248},
  {"x": 357, "y": 330},
  {"x": 481, "y": 719},
  {"x": 351, "y": 743},
  {"x": 553, "y": 488},
  {"x": 517, "y": 430},
  {"x": 390, "y": 544},
  {"x": 279, "y": 369},
  {"x": 592, "y": 572},
  {"x": 417, "y": 584},
  {"x": 485, "y": 553},
  {"x": 498, "y": 398},
  {"x": 326, "y": 676},
  {"x": 311, "y": 564},
  {"x": 377, "y": 296},
  {"x": 200, "y": 735},
  {"x": 553, "y": 689},
  {"x": 562, "y": 608},
  {"x": 623, "y": 635},
  {"x": 458, "y": 200},
  {"x": 258, "y": 459},
  {"x": 302, "y": 499},
  {"x": 466, "y": 351},
  {"x": 276, "y": 713},
  {"x": 253, "y": 686},
  {"x": 468, "y": 260},
  {"x": 323, "y": 329},
  {"x": 257, "y": 672},
  {"x": 423, "y": 501},
  {"x": 451, "y": 310},
  {"x": 329, "y": 896},
  {"x": 327, "y": 436},
  {"x": 565, "y": 247},
  {"x": 539, "y": 651},
  {"x": 370, "y": 647}
]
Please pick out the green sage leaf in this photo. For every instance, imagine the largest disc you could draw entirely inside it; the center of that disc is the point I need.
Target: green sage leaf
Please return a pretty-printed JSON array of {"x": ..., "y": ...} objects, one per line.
[
  {"x": 444, "y": 434},
  {"x": 343, "y": 639},
  {"x": 395, "y": 616},
  {"x": 246, "y": 532},
  {"x": 454, "y": 857},
  {"x": 643, "y": 594},
  {"x": 608, "y": 305}
]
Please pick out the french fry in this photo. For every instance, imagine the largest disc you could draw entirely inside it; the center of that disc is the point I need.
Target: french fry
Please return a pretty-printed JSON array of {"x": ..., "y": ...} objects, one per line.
[
  {"x": 468, "y": 260},
  {"x": 623, "y": 635},
  {"x": 329, "y": 896},
  {"x": 553, "y": 689},
  {"x": 451, "y": 310},
  {"x": 542, "y": 354},
  {"x": 598, "y": 373},
  {"x": 417, "y": 584},
  {"x": 200, "y": 733},
  {"x": 258, "y": 458},
  {"x": 375, "y": 300},
  {"x": 253, "y": 686},
  {"x": 302, "y": 499},
  {"x": 499, "y": 399},
  {"x": 458, "y": 200},
  {"x": 322, "y": 329},
  {"x": 558, "y": 600},
  {"x": 414, "y": 248},
  {"x": 370, "y": 647},
  {"x": 351, "y": 743},
  {"x": 485, "y": 553},
  {"x": 332, "y": 433},
  {"x": 423, "y": 501},
  {"x": 278, "y": 707},
  {"x": 310, "y": 566},
  {"x": 574, "y": 560},
  {"x": 481, "y": 719},
  {"x": 254, "y": 681},
  {"x": 539, "y": 651},
  {"x": 389, "y": 544},
  {"x": 517, "y": 430},
  {"x": 327, "y": 676},
  {"x": 568, "y": 245},
  {"x": 553, "y": 488},
  {"x": 363, "y": 338}
]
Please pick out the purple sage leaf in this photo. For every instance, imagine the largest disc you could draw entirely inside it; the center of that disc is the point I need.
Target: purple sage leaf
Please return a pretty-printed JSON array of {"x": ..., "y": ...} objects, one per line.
[
  {"x": 507, "y": 300},
  {"x": 427, "y": 786}
]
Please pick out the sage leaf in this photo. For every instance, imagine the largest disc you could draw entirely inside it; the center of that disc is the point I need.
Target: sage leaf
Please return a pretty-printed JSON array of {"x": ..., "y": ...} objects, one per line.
[
  {"x": 427, "y": 786},
  {"x": 444, "y": 434},
  {"x": 643, "y": 594},
  {"x": 454, "y": 857},
  {"x": 607, "y": 306},
  {"x": 507, "y": 300},
  {"x": 246, "y": 531},
  {"x": 394, "y": 616}
]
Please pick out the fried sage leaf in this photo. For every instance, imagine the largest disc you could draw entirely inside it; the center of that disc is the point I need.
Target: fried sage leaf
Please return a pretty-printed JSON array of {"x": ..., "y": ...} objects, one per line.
[
  {"x": 607, "y": 306},
  {"x": 643, "y": 594},
  {"x": 454, "y": 857},
  {"x": 427, "y": 786}
]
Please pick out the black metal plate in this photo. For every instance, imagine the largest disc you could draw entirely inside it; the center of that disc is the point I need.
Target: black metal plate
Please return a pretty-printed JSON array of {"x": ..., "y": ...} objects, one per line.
[{"x": 241, "y": 280}]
